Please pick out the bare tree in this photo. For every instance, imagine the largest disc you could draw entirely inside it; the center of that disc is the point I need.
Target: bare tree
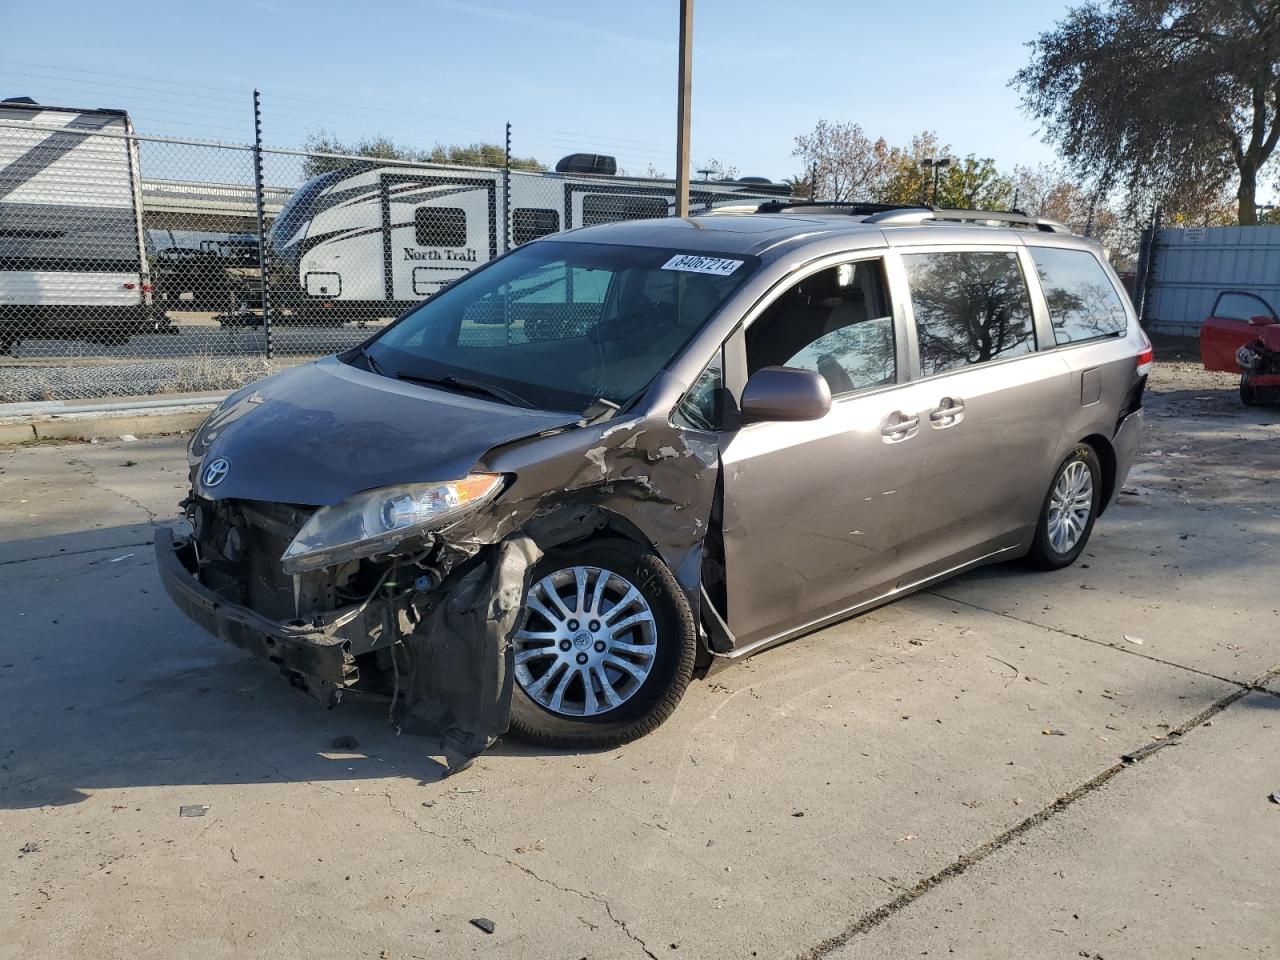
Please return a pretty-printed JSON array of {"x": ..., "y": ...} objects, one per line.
[{"x": 848, "y": 164}]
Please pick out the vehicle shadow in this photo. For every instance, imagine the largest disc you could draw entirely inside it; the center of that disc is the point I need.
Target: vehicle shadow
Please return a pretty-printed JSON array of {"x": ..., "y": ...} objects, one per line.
[{"x": 105, "y": 686}]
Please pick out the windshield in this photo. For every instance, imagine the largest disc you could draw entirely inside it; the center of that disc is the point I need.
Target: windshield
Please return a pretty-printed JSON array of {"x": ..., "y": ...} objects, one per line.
[{"x": 563, "y": 325}]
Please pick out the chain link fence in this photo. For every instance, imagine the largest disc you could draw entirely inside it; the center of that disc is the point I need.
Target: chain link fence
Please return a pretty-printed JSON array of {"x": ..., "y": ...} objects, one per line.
[{"x": 134, "y": 265}]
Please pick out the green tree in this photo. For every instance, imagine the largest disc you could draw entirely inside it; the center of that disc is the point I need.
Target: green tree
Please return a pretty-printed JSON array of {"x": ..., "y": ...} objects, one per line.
[
  {"x": 969, "y": 183},
  {"x": 799, "y": 185},
  {"x": 381, "y": 147},
  {"x": 1162, "y": 95}
]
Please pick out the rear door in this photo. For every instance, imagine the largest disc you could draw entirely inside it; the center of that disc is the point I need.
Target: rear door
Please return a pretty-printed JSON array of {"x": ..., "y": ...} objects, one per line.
[
  {"x": 993, "y": 406},
  {"x": 435, "y": 230}
]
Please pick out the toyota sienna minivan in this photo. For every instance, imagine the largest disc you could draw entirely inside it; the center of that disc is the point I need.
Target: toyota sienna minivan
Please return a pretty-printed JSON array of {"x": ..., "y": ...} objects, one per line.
[{"x": 544, "y": 498}]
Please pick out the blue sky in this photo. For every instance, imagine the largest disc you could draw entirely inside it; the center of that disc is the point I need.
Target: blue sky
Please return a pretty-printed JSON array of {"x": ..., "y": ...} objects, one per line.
[{"x": 569, "y": 75}]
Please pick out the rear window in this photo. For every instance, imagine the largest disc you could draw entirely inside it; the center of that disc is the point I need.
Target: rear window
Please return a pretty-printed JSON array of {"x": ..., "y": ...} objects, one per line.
[
  {"x": 1083, "y": 303},
  {"x": 970, "y": 307},
  {"x": 607, "y": 208},
  {"x": 530, "y": 223},
  {"x": 440, "y": 226}
]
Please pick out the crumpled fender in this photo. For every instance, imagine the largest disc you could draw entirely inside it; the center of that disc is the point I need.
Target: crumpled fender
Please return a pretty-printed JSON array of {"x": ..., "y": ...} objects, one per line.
[{"x": 459, "y": 656}]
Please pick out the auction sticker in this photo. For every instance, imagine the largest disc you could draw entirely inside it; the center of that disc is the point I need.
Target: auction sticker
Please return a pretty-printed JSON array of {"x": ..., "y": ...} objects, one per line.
[{"x": 691, "y": 263}]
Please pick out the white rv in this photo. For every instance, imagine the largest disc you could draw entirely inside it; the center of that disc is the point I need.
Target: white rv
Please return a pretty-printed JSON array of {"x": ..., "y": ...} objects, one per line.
[
  {"x": 72, "y": 259},
  {"x": 368, "y": 241}
]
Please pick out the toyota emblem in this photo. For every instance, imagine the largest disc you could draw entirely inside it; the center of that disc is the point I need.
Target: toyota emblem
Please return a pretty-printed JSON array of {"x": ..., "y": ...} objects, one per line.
[{"x": 216, "y": 472}]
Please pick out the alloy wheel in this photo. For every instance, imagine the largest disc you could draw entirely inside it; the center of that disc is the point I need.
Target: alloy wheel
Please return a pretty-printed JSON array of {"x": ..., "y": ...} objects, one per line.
[
  {"x": 1070, "y": 505},
  {"x": 588, "y": 643}
]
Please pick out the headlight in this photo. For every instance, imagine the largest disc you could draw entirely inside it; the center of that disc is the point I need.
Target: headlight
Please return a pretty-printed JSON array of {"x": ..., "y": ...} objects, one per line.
[{"x": 376, "y": 520}]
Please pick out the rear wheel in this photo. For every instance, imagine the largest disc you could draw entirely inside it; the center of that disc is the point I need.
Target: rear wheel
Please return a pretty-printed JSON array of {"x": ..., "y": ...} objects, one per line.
[
  {"x": 1070, "y": 507},
  {"x": 606, "y": 649}
]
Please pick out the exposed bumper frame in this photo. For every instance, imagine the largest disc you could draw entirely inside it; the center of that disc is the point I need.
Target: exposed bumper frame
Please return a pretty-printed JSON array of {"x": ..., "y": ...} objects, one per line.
[{"x": 314, "y": 653}]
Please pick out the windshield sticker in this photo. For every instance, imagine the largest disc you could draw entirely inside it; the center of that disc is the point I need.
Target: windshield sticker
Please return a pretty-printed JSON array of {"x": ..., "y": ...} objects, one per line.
[{"x": 691, "y": 263}]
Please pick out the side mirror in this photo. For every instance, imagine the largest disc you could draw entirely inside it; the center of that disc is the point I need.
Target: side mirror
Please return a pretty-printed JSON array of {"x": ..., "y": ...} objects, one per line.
[
  {"x": 1262, "y": 320},
  {"x": 785, "y": 393}
]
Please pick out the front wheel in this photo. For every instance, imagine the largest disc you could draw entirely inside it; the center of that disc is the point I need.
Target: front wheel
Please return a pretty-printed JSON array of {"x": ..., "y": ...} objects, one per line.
[
  {"x": 1070, "y": 507},
  {"x": 606, "y": 649}
]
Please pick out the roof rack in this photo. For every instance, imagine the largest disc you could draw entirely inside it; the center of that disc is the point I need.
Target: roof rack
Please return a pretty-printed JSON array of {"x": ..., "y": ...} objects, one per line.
[
  {"x": 1007, "y": 218},
  {"x": 854, "y": 208}
]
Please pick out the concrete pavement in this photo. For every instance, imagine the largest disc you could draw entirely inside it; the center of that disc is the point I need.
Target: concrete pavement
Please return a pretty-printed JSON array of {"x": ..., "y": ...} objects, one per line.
[{"x": 881, "y": 788}]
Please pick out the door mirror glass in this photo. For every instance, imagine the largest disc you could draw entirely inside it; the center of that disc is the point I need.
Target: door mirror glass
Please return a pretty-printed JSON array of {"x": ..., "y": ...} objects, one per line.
[{"x": 783, "y": 393}]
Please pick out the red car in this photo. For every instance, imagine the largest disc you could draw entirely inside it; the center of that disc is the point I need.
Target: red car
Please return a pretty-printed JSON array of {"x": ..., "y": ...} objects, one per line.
[{"x": 1242, "y": 334}]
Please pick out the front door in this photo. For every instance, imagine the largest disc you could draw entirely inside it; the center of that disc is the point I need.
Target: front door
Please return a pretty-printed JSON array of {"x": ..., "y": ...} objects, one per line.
[{"x": 816, "y": 514}]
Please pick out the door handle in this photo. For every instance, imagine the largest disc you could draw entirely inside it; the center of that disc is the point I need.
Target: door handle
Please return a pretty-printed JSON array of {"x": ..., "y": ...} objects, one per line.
[
  {"x": 898, "y": 426},
  {"x": 950, "y": 411}
]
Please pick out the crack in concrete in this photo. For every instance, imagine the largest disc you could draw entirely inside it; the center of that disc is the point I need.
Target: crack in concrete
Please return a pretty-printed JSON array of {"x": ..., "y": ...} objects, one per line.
[
  {"x": 94, "y": 481},
  {"x": 977, "y": 855},
  {"x": 1127, "y": 649},
  {"x": 76, "y": 553},
  {"x": 311, "y": 783},
  {"x": 469, "y": 842}
]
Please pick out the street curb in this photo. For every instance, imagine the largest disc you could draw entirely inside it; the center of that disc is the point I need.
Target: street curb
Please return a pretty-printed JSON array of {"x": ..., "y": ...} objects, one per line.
[{"x": 103, "y": 425}]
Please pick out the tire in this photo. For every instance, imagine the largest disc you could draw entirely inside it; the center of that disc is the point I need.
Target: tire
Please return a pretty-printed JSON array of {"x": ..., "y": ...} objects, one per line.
[
  {"x": 1052, "y": 548},
  {"x": 584, "y": 719},
  {"x": 1248, "y": 393}
]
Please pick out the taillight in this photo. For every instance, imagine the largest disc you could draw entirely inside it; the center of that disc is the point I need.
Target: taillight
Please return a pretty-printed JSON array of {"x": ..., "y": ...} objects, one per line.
[
  {"x": 1145, "y": 361},
  {"x": 129, "y": 286},
  {"x": 147, "y": 288},
  {"x": 1146, "y": 356}
]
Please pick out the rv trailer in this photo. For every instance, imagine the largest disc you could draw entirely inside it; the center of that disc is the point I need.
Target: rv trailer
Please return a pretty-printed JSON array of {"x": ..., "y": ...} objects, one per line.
[
  {"x": 73, "y": 263},
  {"x": 368, "y": 241}
]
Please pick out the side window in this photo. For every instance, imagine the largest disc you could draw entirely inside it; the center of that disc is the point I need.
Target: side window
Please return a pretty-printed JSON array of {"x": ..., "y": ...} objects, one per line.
[
  {"x": 837, "y": 322},
  {"x": 700, "y": 408},
  {"x": 970, "y": 308},
  {"x": 606, "y": 208},
  {"x": 530, "y": 223},
  {"x": 440, "y": 226},
  {"x": 1083, "y": 303},
  {"x": 1236, "y": 305}
]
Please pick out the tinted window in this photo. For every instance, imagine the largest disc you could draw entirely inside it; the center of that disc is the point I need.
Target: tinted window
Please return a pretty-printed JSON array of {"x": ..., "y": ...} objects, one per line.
[
  {"x": 836, "y": 322},
  {"x": 970, "y": 308},
  {"x": 530, "y": 223},
  {"x": 1083, "y": 304},
  {"x": 606, "y": 208},
  {"x": 1241, "y": 306},
  {"x": 440, "y": 226}
]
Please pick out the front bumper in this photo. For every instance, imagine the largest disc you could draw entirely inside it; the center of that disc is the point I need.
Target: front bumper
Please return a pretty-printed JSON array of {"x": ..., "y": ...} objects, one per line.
[
  {"x": 449, "y": 653},
  {"x": 316, "y": 654}
]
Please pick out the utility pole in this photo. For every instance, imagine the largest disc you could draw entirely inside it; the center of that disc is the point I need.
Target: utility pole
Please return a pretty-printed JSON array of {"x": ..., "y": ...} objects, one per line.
[{"x": 683, "y": 88}]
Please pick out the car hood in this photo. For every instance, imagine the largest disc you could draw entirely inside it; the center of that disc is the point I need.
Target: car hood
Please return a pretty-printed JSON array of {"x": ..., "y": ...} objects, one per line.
[{"x": 319, "y": 432}]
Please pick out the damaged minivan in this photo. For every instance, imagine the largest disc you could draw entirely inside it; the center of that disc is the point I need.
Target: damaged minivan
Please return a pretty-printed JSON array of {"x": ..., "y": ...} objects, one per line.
[{"x": 545, "y": 498}]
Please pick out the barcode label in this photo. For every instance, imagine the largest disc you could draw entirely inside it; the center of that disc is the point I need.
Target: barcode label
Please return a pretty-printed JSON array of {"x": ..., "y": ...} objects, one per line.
[{"x": 691, "y": 263}]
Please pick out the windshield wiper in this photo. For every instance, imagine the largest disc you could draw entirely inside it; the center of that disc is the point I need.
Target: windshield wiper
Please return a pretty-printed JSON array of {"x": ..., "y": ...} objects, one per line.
[
  {"x": 374, "y": 367},
  {"x": 469, "y": 386}
]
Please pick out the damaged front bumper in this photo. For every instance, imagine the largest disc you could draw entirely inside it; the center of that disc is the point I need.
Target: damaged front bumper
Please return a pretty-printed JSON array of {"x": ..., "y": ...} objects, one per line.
[{"x": 446, "y": 650}]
